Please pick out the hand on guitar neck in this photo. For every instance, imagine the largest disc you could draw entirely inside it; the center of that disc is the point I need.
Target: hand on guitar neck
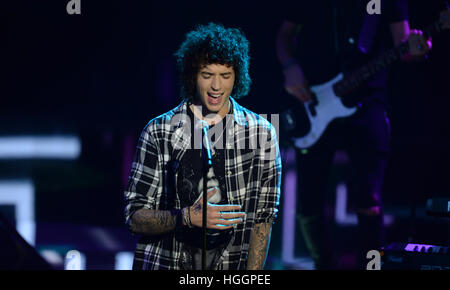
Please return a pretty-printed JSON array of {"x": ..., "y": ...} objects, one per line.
[{"x": 420, "y": 43}]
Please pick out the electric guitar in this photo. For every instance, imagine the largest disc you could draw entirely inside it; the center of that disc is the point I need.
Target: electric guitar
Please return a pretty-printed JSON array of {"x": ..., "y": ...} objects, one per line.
[{"x": 326, "y": 104}]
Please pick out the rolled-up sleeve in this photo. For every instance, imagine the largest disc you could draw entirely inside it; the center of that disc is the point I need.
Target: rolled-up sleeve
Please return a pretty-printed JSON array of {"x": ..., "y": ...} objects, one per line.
[
  {"x": 144, "y": 180},
  {"x": 269, "y": 196}
]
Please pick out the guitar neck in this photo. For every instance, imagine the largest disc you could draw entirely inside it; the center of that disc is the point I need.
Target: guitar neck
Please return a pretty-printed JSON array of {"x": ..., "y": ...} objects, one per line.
[{"x": 359, "y": 77}]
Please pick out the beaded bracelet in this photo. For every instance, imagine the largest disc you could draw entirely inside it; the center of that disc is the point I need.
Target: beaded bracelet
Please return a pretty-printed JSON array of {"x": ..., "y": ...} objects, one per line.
[{"x": 187, "y": 217}]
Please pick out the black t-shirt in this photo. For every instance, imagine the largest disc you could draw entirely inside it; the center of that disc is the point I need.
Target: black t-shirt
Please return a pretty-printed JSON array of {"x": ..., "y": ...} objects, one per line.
[
  {"x": 190, "y": 189},
  {"x": 330, "y": 31}
]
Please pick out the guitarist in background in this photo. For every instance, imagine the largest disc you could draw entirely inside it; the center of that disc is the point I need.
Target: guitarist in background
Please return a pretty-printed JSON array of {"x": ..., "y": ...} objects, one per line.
[{"x": 316, "y": 41}]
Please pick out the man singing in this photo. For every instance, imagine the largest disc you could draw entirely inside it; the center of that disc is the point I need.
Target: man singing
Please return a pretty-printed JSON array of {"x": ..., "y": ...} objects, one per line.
[{"x": 164, "y": 200}]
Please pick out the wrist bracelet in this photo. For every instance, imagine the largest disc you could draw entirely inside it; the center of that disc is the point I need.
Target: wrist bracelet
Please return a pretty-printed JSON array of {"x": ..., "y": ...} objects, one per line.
[
  {"x": 183, "y": 214},
  {"x": 188, "y": 217}
]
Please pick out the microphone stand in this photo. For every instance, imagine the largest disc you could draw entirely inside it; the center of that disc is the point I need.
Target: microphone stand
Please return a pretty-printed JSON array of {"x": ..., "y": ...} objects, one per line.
[{"x": 207, "y": 164}]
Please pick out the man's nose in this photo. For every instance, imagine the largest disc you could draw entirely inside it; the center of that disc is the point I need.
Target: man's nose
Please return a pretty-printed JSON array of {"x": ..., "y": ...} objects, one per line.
[{"x": 215, "y": 85}]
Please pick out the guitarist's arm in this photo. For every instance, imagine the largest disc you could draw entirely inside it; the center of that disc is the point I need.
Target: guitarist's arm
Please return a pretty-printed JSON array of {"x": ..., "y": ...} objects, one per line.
[
  {"x": 285, "y": 43},
  {"x": 295, "y": 81}
]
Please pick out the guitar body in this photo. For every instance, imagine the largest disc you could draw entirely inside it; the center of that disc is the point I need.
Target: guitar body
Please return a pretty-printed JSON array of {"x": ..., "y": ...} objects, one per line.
[{"x": 321, "y": 112}]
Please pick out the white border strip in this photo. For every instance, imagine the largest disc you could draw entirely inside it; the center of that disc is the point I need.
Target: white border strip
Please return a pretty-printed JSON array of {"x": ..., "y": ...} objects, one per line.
[{"x": 27, "y": 147}]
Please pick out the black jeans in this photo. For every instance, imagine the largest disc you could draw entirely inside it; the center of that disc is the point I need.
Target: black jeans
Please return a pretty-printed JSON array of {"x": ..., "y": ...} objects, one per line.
[{"x": 365, "y": 137}]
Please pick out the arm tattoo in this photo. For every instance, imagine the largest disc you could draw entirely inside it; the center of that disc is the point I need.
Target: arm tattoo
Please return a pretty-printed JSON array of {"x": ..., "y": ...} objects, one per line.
[
  {"x": 259, "y": 245},
  {"x": 153, "y": 222}
]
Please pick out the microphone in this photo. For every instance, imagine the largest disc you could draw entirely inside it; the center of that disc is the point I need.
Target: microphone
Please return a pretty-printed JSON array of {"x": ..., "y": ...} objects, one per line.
[
  {"x": 212, "y": 182},
  {"x": 206, "y": 146},
  {"x": 207, "y": 163}
]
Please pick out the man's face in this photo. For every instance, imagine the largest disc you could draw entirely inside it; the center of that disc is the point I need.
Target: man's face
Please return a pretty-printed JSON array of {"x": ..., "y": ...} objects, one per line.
[{"x": 214, "y": 86}]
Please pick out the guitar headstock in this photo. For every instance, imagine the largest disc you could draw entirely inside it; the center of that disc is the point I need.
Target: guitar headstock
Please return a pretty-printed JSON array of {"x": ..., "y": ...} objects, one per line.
[{"x": 444, "y": 19}]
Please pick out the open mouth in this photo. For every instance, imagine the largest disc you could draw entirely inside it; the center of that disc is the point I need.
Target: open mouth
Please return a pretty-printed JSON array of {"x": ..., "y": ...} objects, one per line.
[{"x": 214, "y": 98}]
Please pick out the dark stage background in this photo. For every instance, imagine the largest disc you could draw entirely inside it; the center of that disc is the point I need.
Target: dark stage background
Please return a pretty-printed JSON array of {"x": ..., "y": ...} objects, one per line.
[{"x": 104, "y": 74}]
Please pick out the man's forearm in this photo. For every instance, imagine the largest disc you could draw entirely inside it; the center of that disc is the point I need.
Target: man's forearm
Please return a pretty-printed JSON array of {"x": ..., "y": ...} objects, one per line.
[
  {"x": 259, "y": 245},
  {"x": 284, "y": 49},
  {"x": 285, "y": 42},
  {"x": 153, "y": 222}
]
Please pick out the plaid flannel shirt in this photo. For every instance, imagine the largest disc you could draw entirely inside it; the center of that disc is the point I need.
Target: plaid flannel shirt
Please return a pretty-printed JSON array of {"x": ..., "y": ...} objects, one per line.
[{"x": 253, "y": 178}]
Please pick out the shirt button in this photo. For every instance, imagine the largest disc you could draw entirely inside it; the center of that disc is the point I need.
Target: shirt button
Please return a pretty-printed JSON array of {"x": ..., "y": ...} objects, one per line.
[{"x": 229, "y": 172}]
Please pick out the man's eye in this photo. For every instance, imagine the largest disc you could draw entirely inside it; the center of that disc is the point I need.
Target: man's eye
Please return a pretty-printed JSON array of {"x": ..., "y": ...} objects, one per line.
[{"x": 206, "y": 76}]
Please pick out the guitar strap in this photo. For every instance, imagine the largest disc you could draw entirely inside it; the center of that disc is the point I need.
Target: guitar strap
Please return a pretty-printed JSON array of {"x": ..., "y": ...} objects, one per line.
[
  {"x": 354, "y": 31},
  {"x": 367, "y": 33}
]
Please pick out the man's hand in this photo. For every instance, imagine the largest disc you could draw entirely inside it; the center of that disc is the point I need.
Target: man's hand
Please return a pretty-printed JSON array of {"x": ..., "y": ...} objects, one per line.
[
  {"x": 296, "y": 83},
  {"x": 219, "y": 217},
  {"x": 418, "y": 45}
]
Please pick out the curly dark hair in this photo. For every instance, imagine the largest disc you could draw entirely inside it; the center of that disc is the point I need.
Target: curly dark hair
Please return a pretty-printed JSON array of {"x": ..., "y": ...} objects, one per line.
[{"x": 213, "y": 44}]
